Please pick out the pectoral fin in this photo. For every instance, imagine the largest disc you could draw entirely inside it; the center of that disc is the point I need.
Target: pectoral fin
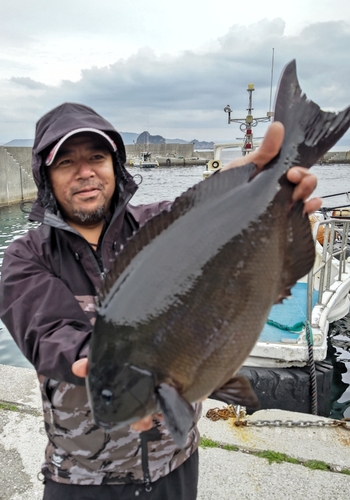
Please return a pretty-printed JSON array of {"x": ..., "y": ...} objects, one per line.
[
  {"x": 237, "y": 391},
  {"x": 177, "y": 412}
]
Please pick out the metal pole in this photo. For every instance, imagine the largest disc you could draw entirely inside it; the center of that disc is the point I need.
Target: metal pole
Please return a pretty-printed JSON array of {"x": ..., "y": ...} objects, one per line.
[{"x": 272, "y": 64}]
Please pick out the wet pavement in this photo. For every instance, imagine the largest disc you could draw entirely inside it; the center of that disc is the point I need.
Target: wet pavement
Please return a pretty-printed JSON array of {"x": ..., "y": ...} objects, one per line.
[{"x": 239, "y": 471}]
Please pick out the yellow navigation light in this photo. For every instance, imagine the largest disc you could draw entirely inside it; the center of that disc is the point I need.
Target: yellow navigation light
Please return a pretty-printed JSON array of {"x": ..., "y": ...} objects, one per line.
[
  {"x": 250, "y": 86},
  {"x": 249, "y": 119}
]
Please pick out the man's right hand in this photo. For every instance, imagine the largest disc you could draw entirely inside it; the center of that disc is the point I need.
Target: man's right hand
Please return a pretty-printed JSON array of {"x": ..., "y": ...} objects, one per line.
[{"x": 80, "y": 367}]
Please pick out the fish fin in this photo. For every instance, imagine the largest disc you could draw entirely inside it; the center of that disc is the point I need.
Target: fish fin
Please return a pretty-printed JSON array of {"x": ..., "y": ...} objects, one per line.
[
  {"x": 299, "y": 259},
  {"x": 177, "y": 412},
  {"x": 209, "y": 189},
  {"x": 305, "y": 124},
  {"x": 237, "y": 391}
]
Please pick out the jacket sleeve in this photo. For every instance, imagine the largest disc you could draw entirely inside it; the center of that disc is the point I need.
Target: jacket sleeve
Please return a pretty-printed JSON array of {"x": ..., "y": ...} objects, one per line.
[{"x": 41, "y": 313}]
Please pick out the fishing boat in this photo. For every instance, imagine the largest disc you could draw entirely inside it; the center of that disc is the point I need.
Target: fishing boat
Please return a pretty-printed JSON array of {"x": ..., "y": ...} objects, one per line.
[
  {"x": 144, "y": 160},
  {"x": 287, "y": 367}
]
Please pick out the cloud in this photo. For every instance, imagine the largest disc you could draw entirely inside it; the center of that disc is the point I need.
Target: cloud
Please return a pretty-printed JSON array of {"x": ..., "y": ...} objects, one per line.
[
  {"x": 29, "y": 83},
  {"x": 184, "y": 95}
]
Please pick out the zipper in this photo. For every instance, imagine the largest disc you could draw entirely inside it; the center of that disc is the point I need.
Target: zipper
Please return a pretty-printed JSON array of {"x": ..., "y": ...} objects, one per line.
[
  {"x": 145, "y": 466},
  {"x": 55, "y": 221},
  {"x": 114, "y": 217}
]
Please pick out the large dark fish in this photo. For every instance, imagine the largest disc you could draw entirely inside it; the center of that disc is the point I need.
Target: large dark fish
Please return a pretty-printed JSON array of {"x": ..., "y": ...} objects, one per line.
[{"x": 189, "y": 294}]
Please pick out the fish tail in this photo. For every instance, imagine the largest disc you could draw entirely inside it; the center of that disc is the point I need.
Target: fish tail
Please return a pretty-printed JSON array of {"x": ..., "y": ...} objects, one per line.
[{"x": 313, "y": 131}]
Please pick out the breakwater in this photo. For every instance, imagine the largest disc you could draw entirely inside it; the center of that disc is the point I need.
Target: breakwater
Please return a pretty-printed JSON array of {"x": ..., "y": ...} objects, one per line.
[
  {"x": 16, "y": 180},
  {"x": 335, "y": 157}
]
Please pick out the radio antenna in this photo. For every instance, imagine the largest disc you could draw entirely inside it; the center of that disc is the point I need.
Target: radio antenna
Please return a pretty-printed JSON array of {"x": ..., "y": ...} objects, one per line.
[{"x": 272, "y": 64}]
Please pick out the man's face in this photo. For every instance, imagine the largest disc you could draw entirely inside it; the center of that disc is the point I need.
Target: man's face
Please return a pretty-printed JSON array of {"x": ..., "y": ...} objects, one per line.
[{"x": 82, "y": 179}]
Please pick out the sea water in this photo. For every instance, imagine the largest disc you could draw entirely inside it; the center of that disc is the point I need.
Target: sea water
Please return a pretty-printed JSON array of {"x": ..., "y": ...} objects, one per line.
[{"x": 165, "y": 184}]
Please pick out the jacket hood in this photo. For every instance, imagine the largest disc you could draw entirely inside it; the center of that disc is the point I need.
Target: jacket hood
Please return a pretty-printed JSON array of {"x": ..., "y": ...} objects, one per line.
[{"x": 57, "y": 123}]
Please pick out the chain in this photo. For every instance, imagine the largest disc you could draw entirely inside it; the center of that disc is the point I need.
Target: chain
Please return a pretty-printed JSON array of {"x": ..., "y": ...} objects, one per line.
[
  {"x": 226, "y": 413},
  {"x": 230, "y": 412},
  {"x": 299, "y": 423}
]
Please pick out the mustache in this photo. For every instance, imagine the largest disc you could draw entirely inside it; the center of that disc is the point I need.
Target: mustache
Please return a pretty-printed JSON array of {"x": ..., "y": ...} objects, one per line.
[{"x": 85, "y": 185}]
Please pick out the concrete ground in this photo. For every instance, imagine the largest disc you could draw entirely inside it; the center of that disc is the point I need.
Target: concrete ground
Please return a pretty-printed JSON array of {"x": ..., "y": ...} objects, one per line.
[{"x": 236, "y": 472}]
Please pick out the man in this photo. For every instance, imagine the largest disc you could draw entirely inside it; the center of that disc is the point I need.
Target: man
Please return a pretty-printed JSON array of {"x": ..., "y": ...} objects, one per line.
[{"x": 49, "y": 282}]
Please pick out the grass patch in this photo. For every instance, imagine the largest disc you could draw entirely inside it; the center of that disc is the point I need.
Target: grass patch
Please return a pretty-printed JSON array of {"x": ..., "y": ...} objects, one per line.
[
  {"x": 229, "y": 447},
  {"x": 316, "y": 465},
  {"x": 209, "y": 443},
  {"x": 274, "y": 456},
  {"x": 8, "y": 407}
]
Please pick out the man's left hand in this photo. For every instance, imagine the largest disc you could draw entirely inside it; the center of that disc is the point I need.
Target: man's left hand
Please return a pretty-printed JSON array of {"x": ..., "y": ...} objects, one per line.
[{"x": 305, "y": 181}]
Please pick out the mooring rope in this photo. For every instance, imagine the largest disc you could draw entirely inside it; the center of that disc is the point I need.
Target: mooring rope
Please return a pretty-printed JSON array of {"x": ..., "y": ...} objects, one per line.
[
  {"x": 297, "y": 328},
  {"x": 311, "y": 363}
]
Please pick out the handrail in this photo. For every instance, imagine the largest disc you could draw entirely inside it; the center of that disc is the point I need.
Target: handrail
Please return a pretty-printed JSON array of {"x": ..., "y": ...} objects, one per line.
[{"x": 333, "y": 258}]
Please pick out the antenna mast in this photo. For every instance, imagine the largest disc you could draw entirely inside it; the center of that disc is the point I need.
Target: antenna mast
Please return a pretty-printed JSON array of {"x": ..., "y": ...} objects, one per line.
[{"x": 249, "y": 121}]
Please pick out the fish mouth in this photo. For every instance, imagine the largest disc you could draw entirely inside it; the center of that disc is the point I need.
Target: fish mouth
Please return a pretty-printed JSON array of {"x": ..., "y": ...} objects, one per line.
[
  {"x": 131, "y": 398},
  {"x": 116, "y": 414}
]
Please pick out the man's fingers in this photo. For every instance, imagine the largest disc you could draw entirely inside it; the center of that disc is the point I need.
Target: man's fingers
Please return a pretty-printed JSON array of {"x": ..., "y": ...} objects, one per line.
[
  {"x": 270, "y": 145},
  {"x": 312, "y": 205},
  {"x": 80, "y": 367},
  {"x": 305, "y": 181},
  {"x": 143, "y": 425}
]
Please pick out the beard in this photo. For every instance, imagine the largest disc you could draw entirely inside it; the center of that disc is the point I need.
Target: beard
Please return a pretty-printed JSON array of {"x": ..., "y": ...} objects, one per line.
[{"x": 86, "y": 218}]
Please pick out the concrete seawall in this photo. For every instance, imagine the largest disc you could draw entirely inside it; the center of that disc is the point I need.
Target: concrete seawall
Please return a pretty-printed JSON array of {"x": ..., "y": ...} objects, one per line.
[
  {"x": 16, "y": 180},
  {"x": 334, "y": 157}
]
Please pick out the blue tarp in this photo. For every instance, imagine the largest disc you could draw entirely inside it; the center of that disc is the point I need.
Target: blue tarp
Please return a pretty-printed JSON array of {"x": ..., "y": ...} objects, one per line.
[{"x": 292, "y": 311}]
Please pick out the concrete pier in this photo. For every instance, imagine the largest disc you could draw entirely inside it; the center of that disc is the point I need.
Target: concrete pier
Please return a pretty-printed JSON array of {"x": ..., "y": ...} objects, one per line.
[
  {"x": 252, "y": 463},
  {"x": 334, "y": 157}
]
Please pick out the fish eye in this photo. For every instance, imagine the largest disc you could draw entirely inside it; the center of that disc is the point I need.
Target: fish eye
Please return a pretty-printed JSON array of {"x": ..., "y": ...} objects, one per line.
[{"x": 107, "y": 395}]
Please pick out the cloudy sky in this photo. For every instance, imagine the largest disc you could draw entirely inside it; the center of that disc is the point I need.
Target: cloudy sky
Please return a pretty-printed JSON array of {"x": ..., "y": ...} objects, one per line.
[{"x": 169, "y": 68}]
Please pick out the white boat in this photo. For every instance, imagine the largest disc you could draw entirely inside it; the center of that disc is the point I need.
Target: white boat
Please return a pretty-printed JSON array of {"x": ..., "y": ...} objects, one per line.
[
  {"x": 317, "y": 300},
  {"x": 287, "y": 367},
  {"x": 144, "y": 160}
]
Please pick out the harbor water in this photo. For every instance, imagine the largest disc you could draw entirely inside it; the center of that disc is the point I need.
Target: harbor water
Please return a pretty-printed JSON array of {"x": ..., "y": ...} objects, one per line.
[{"x": 165, "y": 183}]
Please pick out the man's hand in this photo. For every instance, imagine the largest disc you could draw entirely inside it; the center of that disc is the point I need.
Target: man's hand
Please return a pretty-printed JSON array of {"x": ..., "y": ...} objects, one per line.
[
  {"x": 305, "y": 181},
  {"x": 80, "y": 369}
]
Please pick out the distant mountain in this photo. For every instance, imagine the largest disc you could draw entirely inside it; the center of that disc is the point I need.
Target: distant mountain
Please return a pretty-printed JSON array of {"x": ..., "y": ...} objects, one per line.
[
  {"x": 130, "y": 138},
  {"x": 20, "y": 143},
  {"x": 147, "y": 138},
  {"x": 176, "y": 141}
]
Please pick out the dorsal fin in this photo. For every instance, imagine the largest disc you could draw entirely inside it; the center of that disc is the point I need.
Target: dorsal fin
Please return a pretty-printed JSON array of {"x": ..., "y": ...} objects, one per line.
[
  {"x": 300, "y": 251},
  {"x": 214, "y": 186}
]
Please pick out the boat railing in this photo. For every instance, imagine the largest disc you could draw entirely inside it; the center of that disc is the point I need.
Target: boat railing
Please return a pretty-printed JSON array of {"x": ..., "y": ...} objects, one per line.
[{"x": 332, "y": 251}]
